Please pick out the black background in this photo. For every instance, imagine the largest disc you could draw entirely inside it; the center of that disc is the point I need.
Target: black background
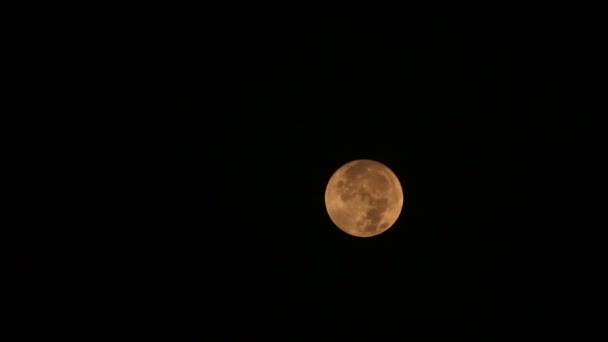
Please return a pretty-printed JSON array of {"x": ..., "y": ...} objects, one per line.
[{"x": 235, "y": 124}]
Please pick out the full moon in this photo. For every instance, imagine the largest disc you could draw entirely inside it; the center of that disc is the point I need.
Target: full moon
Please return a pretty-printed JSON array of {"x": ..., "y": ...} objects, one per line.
[{"x": 364, "y": 198}]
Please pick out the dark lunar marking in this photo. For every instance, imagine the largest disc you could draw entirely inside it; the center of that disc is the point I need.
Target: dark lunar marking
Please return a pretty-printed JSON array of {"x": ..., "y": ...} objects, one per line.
[
  {"x": 355, "y": 170},
  {"x": 376, "y": 214},
  {"x": 382, "y": 203},
  {"x": 372, "y": 200},
  {"x": 379, "y": 182},
  {"x": 365, "y": 195},
  {"x": 340, "y": 184},
  {"x": 383, "y": 226},
  {"x": 347, "y": 196},
  {"x": 370, "y": 228},
  {"x": 348, "y": 193}
]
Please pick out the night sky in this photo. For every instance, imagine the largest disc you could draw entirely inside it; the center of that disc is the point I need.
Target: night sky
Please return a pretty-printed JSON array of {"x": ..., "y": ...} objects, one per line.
[
  {"x": 171, "y": 166},
  {"x": 245, "y": 123}
]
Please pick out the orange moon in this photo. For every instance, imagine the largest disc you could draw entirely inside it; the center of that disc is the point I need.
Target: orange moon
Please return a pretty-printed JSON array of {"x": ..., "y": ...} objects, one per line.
[{"x": 364, "y": 198}]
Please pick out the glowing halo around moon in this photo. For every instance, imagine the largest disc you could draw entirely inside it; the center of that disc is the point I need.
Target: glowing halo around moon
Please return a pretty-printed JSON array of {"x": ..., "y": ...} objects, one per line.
[{"x": 364, "y": 198}]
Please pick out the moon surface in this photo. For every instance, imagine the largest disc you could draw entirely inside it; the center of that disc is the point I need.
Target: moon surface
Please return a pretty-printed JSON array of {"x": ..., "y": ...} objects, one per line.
[{"x": 364, "y": 198}]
